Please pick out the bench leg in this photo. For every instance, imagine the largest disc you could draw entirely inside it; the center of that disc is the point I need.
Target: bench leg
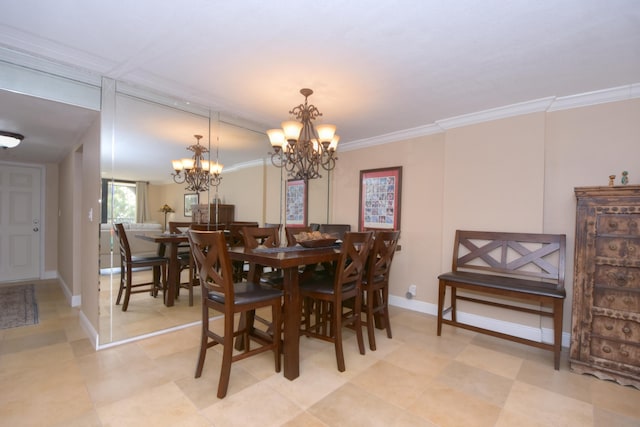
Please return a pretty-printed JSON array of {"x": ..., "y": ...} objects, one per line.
[
  {"x": 557, "y": 332},
  {"x": 441, "y": 292}
]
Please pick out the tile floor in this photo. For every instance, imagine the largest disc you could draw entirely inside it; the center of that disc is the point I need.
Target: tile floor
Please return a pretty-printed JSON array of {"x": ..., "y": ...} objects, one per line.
[{"x": 50, "y": 376}]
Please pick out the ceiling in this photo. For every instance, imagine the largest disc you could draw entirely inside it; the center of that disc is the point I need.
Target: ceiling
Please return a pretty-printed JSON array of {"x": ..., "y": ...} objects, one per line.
[{"x": 375, "y": 69}]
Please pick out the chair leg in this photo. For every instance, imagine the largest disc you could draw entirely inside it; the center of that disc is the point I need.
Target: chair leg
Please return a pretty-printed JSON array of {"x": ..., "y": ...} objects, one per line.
[
  {"x": 385, "y": 310},
  {"x": 441, "y": 294},
  {"x": 369, "y": 313},
  {"x": 358, "y": 321},
  {"x": 337, "y": 322},
  {"x": 204, "y": 340},
  {"x": 227, "y": 354},
  {"x": 127, "y": 292},
  {"x": 122, "y": 279}
]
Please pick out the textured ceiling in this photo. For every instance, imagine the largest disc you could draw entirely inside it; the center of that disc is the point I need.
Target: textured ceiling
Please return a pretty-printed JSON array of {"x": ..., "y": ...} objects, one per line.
[{"x": 376, "y": 68}]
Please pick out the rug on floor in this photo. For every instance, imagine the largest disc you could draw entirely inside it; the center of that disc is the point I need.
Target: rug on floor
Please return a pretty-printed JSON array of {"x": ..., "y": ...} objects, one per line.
[{"x": 18, "y": 306}]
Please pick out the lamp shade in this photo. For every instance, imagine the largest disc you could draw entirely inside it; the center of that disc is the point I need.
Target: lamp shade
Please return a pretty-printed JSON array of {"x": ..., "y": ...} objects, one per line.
[
  {"x": 10, "y": 139},
  {"x": 291, "y": 130},
  {"x": 325, "y": 132}
]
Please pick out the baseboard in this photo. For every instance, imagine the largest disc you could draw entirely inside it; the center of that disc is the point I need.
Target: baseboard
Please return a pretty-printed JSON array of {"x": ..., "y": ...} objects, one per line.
[
  {"x": 90, "y": 330},
  {"x": 50, "y": 274},
  {"x": 515, "y": 329}
]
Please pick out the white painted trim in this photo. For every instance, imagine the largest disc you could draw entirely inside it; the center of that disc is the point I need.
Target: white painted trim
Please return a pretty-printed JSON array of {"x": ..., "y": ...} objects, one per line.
[
  {"x": 515, "y": 329},
  {"x": 549, "y": 104},
  {"x": 528, "y": 107},
  {"x": 89, "y": 329},
  {"x": 27, "y": 81},
  {"x": 153, "y": 334},
  {"x": 50, "y": 274}
]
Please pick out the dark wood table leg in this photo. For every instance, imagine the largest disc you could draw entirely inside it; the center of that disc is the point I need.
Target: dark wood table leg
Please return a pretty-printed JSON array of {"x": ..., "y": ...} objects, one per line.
[
  {"x": 173, "y": 278},
  {"x": 291, "y": 347}
]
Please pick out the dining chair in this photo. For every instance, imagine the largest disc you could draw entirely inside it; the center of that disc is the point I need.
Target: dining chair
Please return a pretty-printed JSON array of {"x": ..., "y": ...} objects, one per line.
[
  {"x": 375, "y": 283},
  {"x": 337, "y": 230},
  {"x": 332, "y": 290},
  {"x": 129, "y": 263},
  {"x": 268, "y": 237},
  {"x": 234, "y": 238},
  {"x": 221, "y": 294},
  {"x": 185, "y": 260}
]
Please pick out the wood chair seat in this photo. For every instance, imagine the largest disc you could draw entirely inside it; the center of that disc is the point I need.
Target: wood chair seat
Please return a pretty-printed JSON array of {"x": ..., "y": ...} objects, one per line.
[
  {"x": 330, "y": 292},
  {"x": 130, "y": 263},
  {"x": 222, "y": 295},
  {"x": 375, "y": 284}
]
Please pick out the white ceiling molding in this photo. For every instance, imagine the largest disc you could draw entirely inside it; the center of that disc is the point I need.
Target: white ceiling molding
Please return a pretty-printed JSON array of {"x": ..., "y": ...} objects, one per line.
[
  {"x": 28, "y": 81},
  {"x": 527, "y": 107},
  {"x": 50, "y": 67},
  {"x": 244, "y": 165},
  {"x": 391, "y": 137},
  {"x": 549, "y": 104},
  {"x": 620, "y": 93}
]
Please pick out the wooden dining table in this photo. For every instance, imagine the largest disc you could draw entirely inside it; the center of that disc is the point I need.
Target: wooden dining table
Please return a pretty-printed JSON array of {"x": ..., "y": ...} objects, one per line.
[
  {"x": 170, "y": 241},
  {"x": 288, "y": 260}
]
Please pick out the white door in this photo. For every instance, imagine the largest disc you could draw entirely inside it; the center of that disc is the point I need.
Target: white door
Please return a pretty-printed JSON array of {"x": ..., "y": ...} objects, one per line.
[{"x": 20, "y": 226}]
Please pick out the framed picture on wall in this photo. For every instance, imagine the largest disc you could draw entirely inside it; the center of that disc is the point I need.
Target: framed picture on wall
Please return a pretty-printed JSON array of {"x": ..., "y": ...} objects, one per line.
[
  {"x": 190, "y": 199},
  {"x": 380, "y": 197},
  {"x": 296, "y": 203}
]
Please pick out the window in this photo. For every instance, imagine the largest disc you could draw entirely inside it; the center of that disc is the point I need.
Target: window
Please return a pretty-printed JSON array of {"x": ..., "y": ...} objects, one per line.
[{"x": 118, "y": 201}]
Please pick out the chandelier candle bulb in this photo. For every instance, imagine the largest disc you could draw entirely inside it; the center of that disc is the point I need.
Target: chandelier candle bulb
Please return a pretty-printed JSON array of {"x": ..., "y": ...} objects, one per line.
[{"x": 301, "y": 148}]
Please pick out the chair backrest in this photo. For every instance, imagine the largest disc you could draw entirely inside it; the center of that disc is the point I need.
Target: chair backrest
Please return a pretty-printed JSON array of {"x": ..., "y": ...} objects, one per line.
[
  {"x": 260, "y": 236},
  {"x": 235, "y": 232},
  {"x": 213, "y": 265},
  {"x": 291, "y": 234},
  {"x": 338, "y": 230},
  {"x": 353, "y": 258},
  {"x": 208, "y": 226},
  {"x": 125, "y": 249},
  {"x": 178, "y": 227},
  {"x": 381, "y": 255}
]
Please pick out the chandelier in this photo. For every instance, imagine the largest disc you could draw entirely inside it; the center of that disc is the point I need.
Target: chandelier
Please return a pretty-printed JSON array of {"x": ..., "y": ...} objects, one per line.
[
  {"x": 199, "y": 174},
  {"x": 301, "y": 148}
]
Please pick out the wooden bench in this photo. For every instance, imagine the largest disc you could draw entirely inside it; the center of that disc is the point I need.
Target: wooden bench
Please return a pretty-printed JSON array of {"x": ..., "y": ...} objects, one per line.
[{"x": 522, "y": 266}]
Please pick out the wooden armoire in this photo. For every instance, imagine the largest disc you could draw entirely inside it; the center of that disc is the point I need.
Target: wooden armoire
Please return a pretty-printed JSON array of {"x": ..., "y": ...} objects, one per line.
[{"x": 605, "y": 333}]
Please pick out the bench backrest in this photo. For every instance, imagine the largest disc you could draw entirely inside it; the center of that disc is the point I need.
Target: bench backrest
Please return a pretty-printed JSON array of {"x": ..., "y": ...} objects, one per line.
[{"x": 526, "y": 255}]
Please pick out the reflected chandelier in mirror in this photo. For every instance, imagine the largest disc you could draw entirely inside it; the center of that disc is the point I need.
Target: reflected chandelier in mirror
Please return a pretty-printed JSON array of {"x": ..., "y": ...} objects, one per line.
[{"x": 199, "y": 174}]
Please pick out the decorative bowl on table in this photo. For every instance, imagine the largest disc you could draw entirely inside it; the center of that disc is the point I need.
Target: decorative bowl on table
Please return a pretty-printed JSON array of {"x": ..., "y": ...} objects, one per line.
[
  {"x": 318, "y": 243},
  {"x": 315, "y": 239}
]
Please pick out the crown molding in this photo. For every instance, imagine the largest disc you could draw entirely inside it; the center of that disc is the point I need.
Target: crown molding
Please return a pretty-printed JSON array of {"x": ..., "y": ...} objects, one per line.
[
  {"x": 49, "y": 67},
  {"x": 620, "y": 93},
  {"x": 245, "y": 165},
  {"x": 527, "y": 107},
  {"x": 548, "y": 104},
  {"x": 391, "y": 137}
]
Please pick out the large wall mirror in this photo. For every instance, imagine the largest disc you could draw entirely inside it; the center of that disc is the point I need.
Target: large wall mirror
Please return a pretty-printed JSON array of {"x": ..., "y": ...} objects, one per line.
[{"x": 149, "y": 131}]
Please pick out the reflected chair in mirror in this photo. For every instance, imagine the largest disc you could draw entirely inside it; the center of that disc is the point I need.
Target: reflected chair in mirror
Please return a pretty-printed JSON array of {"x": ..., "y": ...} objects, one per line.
[
  {"x": 185, "y": 261},
  {"x": 333, "y": 290},
  {"x": 234, "y": 238},
  {"x": 208, "y": 227},
  {"x": 336, "y": 230},
  {"x": 221, "y": 294},
  {"x": 130, "y": 264},
  {"x": 268, "y": 237},
  {"x": 375, "y": 283}
]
